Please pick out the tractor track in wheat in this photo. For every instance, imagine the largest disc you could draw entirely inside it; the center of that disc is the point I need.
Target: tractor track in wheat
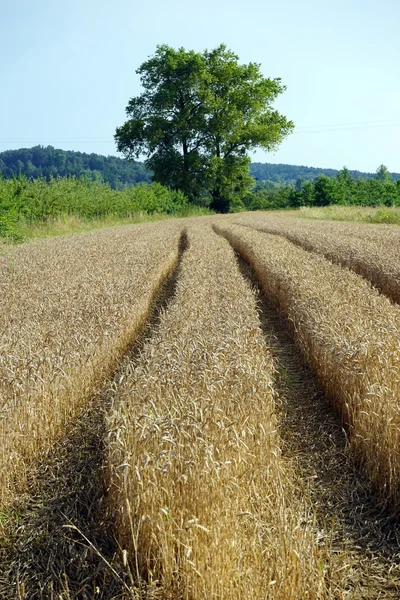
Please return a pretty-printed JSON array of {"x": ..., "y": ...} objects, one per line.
[
  {"x": 360, "y": 530},
  {"x": 59, "y": 541},
  {"x": 366, "y": 258}
]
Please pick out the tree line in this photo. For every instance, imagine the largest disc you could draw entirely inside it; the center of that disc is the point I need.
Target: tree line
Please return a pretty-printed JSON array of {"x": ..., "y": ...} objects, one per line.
[
  {"x": 344, "y": 189},
  {"x": 26, "y": 201},
  {"x": 282, "y": 174},
  {"x": 274, "y": 185},
  {"x": 47, "y": 162}
]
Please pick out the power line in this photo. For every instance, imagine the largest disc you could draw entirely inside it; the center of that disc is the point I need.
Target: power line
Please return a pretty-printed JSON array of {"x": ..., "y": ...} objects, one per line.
[
  {"x": 299, "y": 130},
  {"x": 64, "y": 139},
  {"x": 349, "y": 124},
  {"x": 362, "y": 125},
  {"x": 55, "y": 141}
]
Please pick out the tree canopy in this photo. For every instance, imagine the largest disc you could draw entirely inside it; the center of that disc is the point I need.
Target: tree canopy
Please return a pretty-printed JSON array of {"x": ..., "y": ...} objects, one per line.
[
  {"x": 41, "y": 161},
  {"x": 382, "y": 189},
  {"x": 198, "y": 116}
]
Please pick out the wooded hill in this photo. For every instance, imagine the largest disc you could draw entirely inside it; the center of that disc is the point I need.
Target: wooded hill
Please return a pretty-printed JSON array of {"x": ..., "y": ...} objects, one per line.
[
  {"x": 282, "y": 174},
  {"x": 47, "y": 162}
]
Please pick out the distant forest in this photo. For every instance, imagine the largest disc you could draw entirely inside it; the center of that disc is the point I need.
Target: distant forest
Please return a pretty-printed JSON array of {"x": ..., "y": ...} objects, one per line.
[
  {"x": 282, "y": 175},
  {"x": 50, "y": 162}
]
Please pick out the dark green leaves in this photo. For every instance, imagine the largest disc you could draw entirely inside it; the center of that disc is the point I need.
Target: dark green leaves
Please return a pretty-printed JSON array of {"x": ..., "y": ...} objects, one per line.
[{"x": 196, "y": 119}]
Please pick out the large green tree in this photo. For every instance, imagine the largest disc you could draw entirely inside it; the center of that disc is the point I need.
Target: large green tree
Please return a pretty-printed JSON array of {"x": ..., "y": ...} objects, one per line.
[{"x": 196, "y": 120}]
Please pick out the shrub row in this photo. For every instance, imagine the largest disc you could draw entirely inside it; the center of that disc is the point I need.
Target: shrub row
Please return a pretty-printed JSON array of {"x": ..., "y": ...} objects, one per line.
[{"x": 32, "y": 201}]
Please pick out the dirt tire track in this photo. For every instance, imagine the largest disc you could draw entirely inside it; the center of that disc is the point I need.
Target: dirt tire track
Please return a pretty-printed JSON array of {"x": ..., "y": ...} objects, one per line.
[
  {"x": 361, "y": 530},
  {"x": 45, "y": 558}
]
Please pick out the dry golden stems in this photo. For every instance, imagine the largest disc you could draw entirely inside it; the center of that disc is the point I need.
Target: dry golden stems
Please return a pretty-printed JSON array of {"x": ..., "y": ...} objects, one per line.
[
  {"x": 349, "y": 333},
  {"x": 204, "y": 503},
  {"x": 370, "y": 250},
  {"x": 69, "y": 309}
]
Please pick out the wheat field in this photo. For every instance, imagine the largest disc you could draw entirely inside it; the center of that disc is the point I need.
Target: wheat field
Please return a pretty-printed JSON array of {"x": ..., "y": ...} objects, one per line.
[
  {"x": 68, "y": 312},
  {"x": 206, "y": 492},
  {"x": 370, "y": 251},
  {"x": 204, "y": 499},
  {"x": 348, "y": 332}
]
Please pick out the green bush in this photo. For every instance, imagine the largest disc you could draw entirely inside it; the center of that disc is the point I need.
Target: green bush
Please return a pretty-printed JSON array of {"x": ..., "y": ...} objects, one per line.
[{"x": 24, "y": 201}]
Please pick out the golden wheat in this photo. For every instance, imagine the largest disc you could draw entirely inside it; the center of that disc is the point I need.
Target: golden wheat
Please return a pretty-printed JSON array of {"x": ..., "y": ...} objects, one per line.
[
  {"x": 369, "y": 250},
  {"x": 204, "y": 503},
  {"x": 348, "y": 332},
  {"x": 69, "y": 309}
]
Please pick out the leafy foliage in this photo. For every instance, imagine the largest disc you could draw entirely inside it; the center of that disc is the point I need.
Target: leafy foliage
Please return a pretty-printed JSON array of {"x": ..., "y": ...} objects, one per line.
[
  {"x": 48, "y": 162},
  {"x": 281, "y": 174},
  {"x": 196, "y": 119},
  {"x": 379, "y": 190},
  {"x": 30, "y": 201}
]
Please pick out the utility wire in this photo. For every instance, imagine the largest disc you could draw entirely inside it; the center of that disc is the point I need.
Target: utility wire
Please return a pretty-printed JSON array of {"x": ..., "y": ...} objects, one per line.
[
  {"x": 335, "y": 128},
  {"x": 350, "y": 124},
  {"x": 41, "y": 141},
  {"x": 299, "y": 130}
]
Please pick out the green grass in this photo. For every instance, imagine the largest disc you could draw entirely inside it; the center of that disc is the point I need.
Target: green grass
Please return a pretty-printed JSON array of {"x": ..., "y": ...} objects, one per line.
[{"x": 358, "y": 214}]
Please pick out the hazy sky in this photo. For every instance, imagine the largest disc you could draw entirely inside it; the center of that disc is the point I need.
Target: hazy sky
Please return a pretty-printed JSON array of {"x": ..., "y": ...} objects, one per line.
[{"x": 68, "y": 69}]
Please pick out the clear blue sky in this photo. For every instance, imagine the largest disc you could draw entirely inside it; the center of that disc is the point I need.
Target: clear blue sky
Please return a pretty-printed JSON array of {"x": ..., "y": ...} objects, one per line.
[{"x": 68, "y": 69}]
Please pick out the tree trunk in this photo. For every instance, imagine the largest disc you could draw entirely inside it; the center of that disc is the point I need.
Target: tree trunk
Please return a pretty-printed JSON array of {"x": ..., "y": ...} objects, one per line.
[{"x": 219, "y": 203}]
